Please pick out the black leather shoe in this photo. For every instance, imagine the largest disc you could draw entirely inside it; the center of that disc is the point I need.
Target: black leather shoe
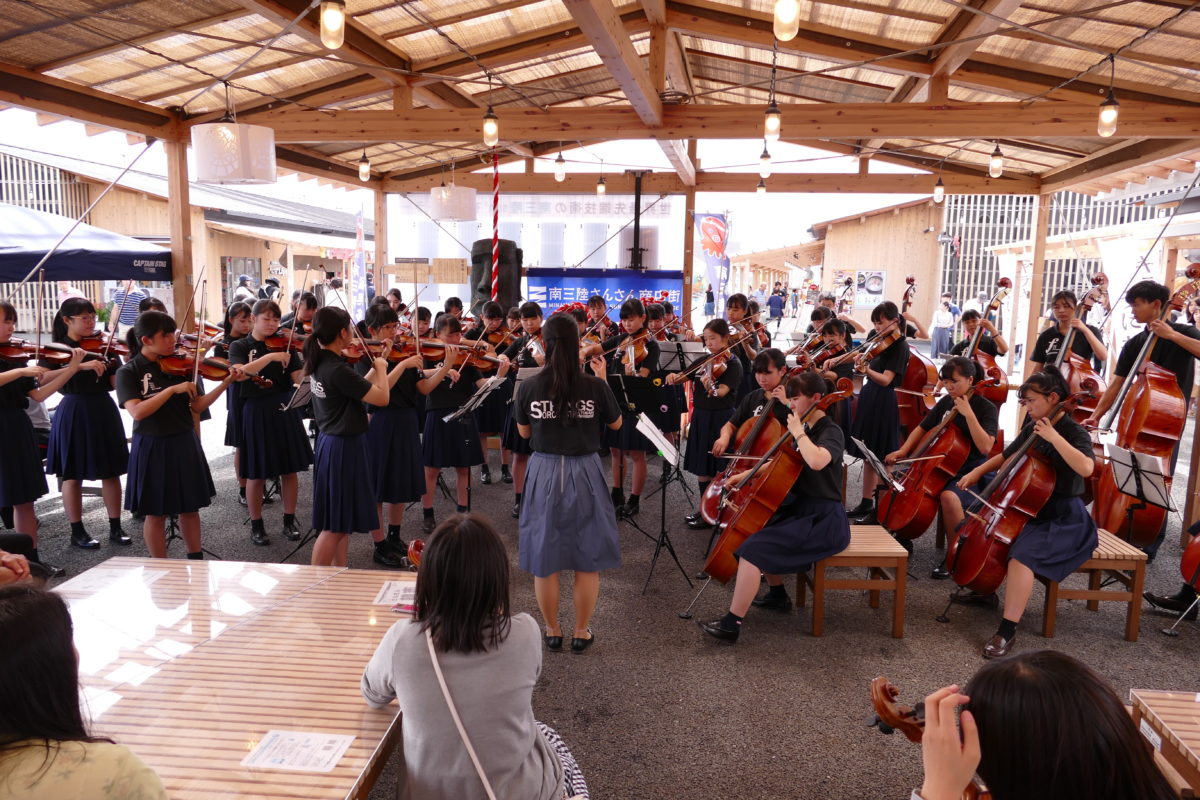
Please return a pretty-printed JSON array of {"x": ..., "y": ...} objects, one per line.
[
  {"x": 259, "y": 538},
  {"x": 84, "y": 541},
  {"x": 553, "y": 643},
  {"x": 998, "y": 646},
  {"x": 713, "y": 628},
  {"x": 773, "y": 603},
  {"x": 388, "y": 558},
  {"x": 505, "y": 475},
  {"x": 975, "y": 599},
  {"x": 630, "y": 508},
  {"x": 119, "y": 537},
  {"x": 940, "y": 573},
  {"x": 291, "y": 532},
  {"x": 618, "y": 499},
  {"x": 868, "y": 518},
  {"x": 397, "y": 544},
  {"x": 485, "y": 476},
  {"x": 242, "y": 498},
  {"x": 579, "y": 644},
  {"x": 696, "y": 522},
  {"x": 516, "y": 512},
  {"x": 427, "y": 525},
  {"x": 1173, "y": 604},
  {"x": 44, "y": 571}
]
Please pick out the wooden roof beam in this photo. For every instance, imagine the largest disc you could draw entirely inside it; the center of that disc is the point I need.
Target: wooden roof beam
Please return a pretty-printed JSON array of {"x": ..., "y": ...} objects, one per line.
[
  {"x": 602, "y": 27},
  {"x": 1113, "y": 160}
]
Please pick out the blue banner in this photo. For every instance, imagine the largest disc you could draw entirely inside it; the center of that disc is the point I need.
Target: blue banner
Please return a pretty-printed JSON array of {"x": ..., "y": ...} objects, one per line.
[{"x": 551, "y": 288}]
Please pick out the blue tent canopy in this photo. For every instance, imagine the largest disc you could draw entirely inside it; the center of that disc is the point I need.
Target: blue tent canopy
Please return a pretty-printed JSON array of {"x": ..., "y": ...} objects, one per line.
[{"x": 89, "y": 253}]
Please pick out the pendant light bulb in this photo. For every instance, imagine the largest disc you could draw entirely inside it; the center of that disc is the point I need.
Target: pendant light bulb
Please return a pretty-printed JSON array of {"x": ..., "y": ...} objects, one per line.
[
  {"x": 491, "y": 128},
  {"x": 560, "y": 168},
  {"x": 772, "y": 123},
  {"x": 939, "y": 191},
  {"x": 764, "y": 164},
  {"x": 364, "y": 168},
  {"x": 600, "y": 187},
  {"x": 996, "y": 163},
  {"x": 787, "y": 19},
  {"x": 762, "y": 186},
  {"x": 333, "y": 23},
  {"x": 1106, "y": 125}
]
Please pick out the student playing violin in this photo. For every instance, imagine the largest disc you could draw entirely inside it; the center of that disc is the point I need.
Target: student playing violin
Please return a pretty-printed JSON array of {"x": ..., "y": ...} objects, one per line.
[
  {"x": 491, "y": 416},
  {"x": 1063, "y": 535},
  {"x": 737, "y": 310},
  {"x": 674, "y": 401},
  {"x": 237, "y": 324},
  {"x": 528, "y": 352},
  {"x": 169, "y": 473}
]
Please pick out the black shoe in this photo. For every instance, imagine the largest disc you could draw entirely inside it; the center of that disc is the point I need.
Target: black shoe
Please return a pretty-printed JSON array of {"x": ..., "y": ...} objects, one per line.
[
  {"x": 398, "y": 545},
  {"x": 516, "y": 512},
  {"x": 579, "y": 644},
  {"x": 696, "y": 522},
  {"x": 427, "y": 525},
  {"x": 84, "y": 541},
  {"x": 976, "y": 599},
  {"x": 700, "y": 575},
  {"x": 259, "y": 538},
  {"x": 485, "y": 476},
  {"x": 713, "y": 628},
  {"x": 860, "y": 509},
  {"x": 505, "y": 475},
  {"x": 291, "y": 532},
  {"x": 554, "y": 642},
  {"x": 867, "y": 518},
  {"x": 1175, "y": 604},
  {"x": 630, "y": 508},
  {"x": 618, "y": 498},
  {"x": 773, "y": 602},
  {"x": 388, "y": 558},
  {"x": 44, "y": 571},
  {"x": 998, "y": 647},
  {"x": 242, "y": 498},
  {"x": 119, "y": 536},
  {"x": 940, "y": 573}
]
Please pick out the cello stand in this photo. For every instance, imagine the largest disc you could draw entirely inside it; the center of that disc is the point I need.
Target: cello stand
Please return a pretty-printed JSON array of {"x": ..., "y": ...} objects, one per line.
[
  {"x": 310, "y": 536},
  {"x": 171, "y": 533},
  {"x": 687, "y": 612},
  {"x": 1171, "y": 630},
  {"x": 663, "y": 540}
]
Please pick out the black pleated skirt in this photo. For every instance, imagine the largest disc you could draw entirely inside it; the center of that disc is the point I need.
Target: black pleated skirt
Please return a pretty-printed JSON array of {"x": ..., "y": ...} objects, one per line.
[
  {"x": 877, "y": 420},
  {"x": 273, "y": 441},
  {"x": 168, "y": 475},
  {"x": 394, "y": 451},
  {"x": 704, "y": 430},
  {"x": 628, "y": 437},
  {"x": 343, "y": 485},
  {"x": 491, "y": 416},
  {"x": 512, "y": 440},
  {"x": 800, "y": 534},
  {"x": 21, "y": 477},
  {"x": 87, "y": 439},
  {"x": 450, "y": 444},
  {"x": 1058, "y": 540},
  {"x": 233, "y": 416}
]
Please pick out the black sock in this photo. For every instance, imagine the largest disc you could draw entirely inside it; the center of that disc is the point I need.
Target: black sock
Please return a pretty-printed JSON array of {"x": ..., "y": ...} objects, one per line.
[
  {"x": 504, "y": 469},
  {"x": 242, "y": 492},
  {"x": 428, "y": 512},
  {"x": 197, "y": 556},
  {"x": 485, "y": 468},
  {"x": 288, "y": 519},
  {"x": 776, "y": 591},
  {"x": 393, "y": 531},
  {"x": 77, "y": 529},
  {"x": 114, "y": 524},
  {"x": 633, "y": 499},
  {"x": 258, "y": 526},
  {"x": 731, "y": 622},
  {"x": 33, "y": 555},
  {"x": 462, "y": 509},
  {"x": 1007, "y": 629}
]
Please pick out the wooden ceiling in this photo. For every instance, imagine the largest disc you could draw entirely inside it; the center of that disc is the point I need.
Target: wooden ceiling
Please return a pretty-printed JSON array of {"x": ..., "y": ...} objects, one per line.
[{"x": 931, "y": 84}]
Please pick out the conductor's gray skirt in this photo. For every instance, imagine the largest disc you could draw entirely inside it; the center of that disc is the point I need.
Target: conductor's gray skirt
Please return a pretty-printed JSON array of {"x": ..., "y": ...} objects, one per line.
[{"x": 567, "y": 516}]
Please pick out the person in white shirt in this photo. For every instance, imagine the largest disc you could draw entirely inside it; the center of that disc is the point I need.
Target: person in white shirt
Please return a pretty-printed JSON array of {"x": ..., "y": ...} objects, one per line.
[{"x": 334, "y": 295}]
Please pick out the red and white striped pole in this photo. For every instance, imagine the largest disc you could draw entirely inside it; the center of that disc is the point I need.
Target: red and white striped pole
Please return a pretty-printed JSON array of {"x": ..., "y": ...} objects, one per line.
[{"x": 495, "y": 224}]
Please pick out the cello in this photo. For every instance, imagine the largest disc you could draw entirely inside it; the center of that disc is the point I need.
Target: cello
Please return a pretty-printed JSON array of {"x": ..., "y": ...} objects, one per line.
[
  {"x": 920, "y": 376},
  {"x": 977, "y": 554},
  {"x": 751, "y": 500},
  {"x": 1077, "y": 371},
  {"x": 751, "y": 441},
  {"x": 996, "y": 392},
  {"x": 1150, "y": 413},
  {"x": 909, "y": 511}
]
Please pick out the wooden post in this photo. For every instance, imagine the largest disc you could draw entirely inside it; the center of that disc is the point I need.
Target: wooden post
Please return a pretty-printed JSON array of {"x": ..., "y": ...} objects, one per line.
[
  {"x": 179, "y": 213},
  {"x": 1169, "y": 261},
  {"x": 1041, "y": 229},
  {"x": 689, "y": 233},
  {"x": 381, "y": 239}
]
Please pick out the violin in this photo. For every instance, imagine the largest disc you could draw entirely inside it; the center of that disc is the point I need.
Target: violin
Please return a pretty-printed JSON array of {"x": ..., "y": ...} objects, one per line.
[
  {"x": 278, "y": 342},
  {"x": 890, "y": 716},
  {"x": 211, "y": 368},
  {"x": 977, "y": 555},
  {"x": 1077, "y": 371},
  {"x": 472, "y": 357},
  {"x": 101, "y": 344},
  {"x": 713, "y": 369},
  {"x": 19, "y": 350},
  {"x": 751, "y": 500},
  {"x": 191, "y": 341},
  {"x": 501, "y": 337},
  {"x": 877, "y": 345},
  {"x": 633, "y": 349},
  {"x": 909, "y": 511}
]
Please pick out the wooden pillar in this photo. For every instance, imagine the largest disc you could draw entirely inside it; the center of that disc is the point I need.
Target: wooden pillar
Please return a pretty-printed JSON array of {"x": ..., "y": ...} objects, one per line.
[
  {"x": 179, "y": 213},
  {"x": 381, "y": 239},
  {"x": 1169, "y": 263},
  {"x": 689, "y": 234},
  {"x": 1041, "y": 228}
]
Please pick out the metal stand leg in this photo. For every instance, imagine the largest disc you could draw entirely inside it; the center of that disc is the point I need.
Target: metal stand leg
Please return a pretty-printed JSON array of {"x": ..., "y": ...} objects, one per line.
[{"x": 1171, "y": 630}]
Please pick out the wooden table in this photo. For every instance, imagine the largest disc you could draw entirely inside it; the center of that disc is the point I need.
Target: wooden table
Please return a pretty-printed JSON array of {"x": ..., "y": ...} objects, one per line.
[
  {"x": 1170, "y": 721},
  {"x": 190, "y": 663}
]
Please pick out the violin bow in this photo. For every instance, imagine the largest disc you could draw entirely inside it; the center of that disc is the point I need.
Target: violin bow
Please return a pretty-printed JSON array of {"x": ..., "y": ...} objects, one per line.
[
  {"x": 41, "y": 295},
  {"x": 186, "y": 317},
  {"x": 199, "y": 339},
  {"x": 296, "y": 316}
]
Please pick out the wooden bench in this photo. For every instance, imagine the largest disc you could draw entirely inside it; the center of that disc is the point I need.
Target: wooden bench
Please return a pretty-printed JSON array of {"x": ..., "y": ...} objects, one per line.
[
  {"x": 886, "y": 562},
  {"x": 1113, "y": 558}
]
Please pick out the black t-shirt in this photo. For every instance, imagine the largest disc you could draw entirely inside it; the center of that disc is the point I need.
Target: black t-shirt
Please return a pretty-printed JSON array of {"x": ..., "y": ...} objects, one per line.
[
  {"x": 337, "y": 393},
  {"x": 986, "y": 345},
  {"x": 447, "y": 395},
  {"x": 85, "y": 381},
  {"x": 526, "y": 361},
  {"x": 15, "y": 393},
  {"x": 754, "y": 403},
  {"x": 1167, "y": 355},
  {"x": 731, "y": 377},
  {"x": 1067, "y": 481},
  {"x": 895, "y": 358},
  {"x": 825, "y": 484},
  {"x": 248, "y": 349},
  {"x": 404, "y": 391},
  {"x": 615, "y": 367},
  {"x": 985, "y": 411},
  {"x": 577, "y": 436},
  {"x": 1045, "y": 349},
  {"x": 143, "y": 378},
  {"x": 843, "y": 370},
  {"x": 221, "y": 348}
]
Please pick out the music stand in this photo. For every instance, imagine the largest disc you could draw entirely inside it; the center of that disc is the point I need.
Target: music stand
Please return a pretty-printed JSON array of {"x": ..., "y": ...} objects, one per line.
[
  {"x": 670, "y": 456},
  {"x": 476, "y": 399},
  {"x": 874, "y": 463},
  {"x": 1140, "y": 476},
  {"x": 677, "y": 357},
  {"x": 171, "y": 534}
]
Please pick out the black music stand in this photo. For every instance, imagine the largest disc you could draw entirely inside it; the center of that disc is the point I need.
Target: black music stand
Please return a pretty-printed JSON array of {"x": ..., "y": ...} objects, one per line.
[
  {"x": 676, "y": 357},
  {"x": 670, "y": 456},
  {"x": 1140, "y": 476},
  {"x": 171, "y": 534}
]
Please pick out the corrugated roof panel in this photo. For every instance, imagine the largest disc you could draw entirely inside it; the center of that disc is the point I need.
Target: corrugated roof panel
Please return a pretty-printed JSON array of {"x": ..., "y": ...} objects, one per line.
[{"x": 480, "y": 32}]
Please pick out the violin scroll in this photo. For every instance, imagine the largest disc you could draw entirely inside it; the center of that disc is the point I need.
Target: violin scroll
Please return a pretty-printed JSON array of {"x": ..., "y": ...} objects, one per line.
[{"x": 891, "y": 716}]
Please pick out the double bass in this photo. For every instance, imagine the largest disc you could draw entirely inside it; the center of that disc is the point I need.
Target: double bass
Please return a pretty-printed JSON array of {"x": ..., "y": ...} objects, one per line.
[
  {"x": 909, "y": 511},
  {"x": 752, "y": 499},
  {"x": 1150, "y": 413},
  {"x": 1077, "y": 371},
  {"x": 977, "y": 554},
  {"x": 996, "y": 392},
  {"x": 920, "y": 376}
]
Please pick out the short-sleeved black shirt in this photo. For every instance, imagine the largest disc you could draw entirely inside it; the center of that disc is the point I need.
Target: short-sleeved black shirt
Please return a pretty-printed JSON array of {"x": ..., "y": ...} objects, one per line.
[
  {"x": 843, "y": 370},
  {"x": 755, "y": 403},
  {"x": 85, "y": 381},
  {"x": 579, "y": 436},
  {"x": 447, "y": 395},
  {"x": 825, "y": 484},
  {"x": 526, "y": 360},
  {"x": 615, "y": 367},
  {"x": 143, "y": 378},
  {"x": 1045, "y": 349},
  {"x": 1167, "y": 355},
  {"x": 15, "y": 393},
  {"x": 337, "y": 393},
  {"x": 248, "y": 349},
  {"x": 895, "y": 358},
  {"x": 986, "y": 345},
  {"x": 985, "y": 411},
  {"x": 731, "y": 377},
  {"x": 221, "y": 348},
  {"x": 1067, "y": 481},
  {"x": 404, "y": 391}
]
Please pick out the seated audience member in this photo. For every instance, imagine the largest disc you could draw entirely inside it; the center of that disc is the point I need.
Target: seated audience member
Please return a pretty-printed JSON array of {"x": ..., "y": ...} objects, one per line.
[
  {"x": 45, "y": 749},
  {"x": 490, "y": 659},
  {"x": 1037, "y": 726}
]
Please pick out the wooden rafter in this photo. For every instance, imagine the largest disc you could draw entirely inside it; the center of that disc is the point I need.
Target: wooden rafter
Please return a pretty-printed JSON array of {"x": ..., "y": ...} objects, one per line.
[{"x": 1116, "y": 159}]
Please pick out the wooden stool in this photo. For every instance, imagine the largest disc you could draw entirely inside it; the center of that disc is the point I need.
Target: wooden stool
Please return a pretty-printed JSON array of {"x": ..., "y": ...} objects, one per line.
[
  {"x": 886, "y": 561},
  {"x": 1113, "y": 557}
]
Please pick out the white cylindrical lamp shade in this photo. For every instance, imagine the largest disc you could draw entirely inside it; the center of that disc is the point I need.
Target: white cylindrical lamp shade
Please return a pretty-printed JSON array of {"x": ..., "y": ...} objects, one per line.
[
  {"x": 452, "y": 203},
  {"x": 234, "y": 153}
]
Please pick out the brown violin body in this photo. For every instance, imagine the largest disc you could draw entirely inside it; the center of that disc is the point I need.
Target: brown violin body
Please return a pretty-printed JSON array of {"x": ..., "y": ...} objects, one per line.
[
  {"x": 752, "y": 439},
  {"x": 19, "y": 350},
  {"x": 919, "y": 376},
  {"x": 211, "y": 368}
]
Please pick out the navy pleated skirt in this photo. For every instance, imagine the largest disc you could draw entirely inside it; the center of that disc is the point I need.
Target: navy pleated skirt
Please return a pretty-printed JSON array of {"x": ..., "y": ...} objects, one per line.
[
  {"x": 511, "y": 439},
  {"x": 343, "y": 485},
  {"x": 168, "y": 475},
  {"x": 233, "y": 416},
  {"x": 628, "y": 437},
  {"x": 877, "y": 420},
  {"x": 273, "y": 441},
  {"x": 450, "y": 444},
  {"x": 491, "y": 416},
  {"x": 673, "y": 403},
  {"x": 704, "y": 430},
  {"x": 801, "y": 533},
  {"x": 1056, "y": 542},
  {"x": 966, "y": 497},
  {"x": 394, "y": 451},
  {"x": 567, "y": 517},
  {"x": 21, "y": 477},
  {"x": 87, "y": 439}
]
